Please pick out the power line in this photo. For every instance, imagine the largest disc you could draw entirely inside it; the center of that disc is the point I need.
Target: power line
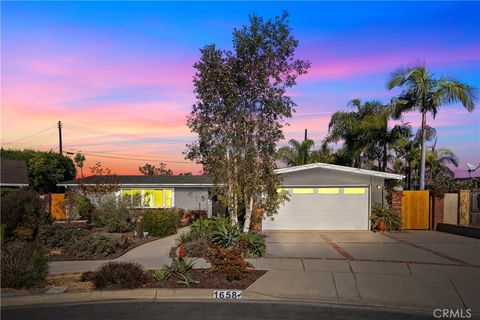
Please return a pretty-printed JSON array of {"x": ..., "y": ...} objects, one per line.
[
  {"x": 112, "y": 153},
  {"x": 104, "y": 133},
  {"x": 122, "y": 158},
  {"x": 29, "y": 136}
]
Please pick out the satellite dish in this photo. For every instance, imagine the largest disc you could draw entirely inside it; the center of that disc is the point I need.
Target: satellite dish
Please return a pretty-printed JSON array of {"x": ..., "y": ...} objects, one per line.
[{"x": 471, "y": 167}]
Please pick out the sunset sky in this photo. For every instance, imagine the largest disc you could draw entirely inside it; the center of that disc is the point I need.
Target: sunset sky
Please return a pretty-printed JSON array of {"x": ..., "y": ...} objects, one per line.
[{"x": 119, "y": 74}]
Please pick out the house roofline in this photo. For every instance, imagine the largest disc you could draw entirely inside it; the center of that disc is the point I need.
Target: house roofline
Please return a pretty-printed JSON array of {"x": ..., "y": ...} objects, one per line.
[
  {"x": 340, "y": 168},
  {"x": 142, "y": 184},
  {"x": 14, "y": 184}
]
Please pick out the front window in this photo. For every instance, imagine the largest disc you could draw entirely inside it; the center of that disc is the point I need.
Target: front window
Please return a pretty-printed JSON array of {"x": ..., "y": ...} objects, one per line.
[{"x": 149, "y": 198}]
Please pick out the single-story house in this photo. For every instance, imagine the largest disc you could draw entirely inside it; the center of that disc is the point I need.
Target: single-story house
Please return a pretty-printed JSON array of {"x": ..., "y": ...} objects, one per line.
[
  {"x": 13, "y": 173},
  {"x": 184, "y": 192},
  {"x": 322, "y": 196}
]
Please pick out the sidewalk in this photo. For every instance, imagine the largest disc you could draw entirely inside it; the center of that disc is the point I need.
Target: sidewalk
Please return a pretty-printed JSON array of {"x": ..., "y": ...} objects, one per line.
[
  {"x": 413, "y": 286},
  {"x": 370, "y": 283}
]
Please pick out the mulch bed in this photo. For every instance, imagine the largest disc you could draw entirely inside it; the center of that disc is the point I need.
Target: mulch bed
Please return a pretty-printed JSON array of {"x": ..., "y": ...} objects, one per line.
[
  {"x": 208, "y": 280},
  {"x": 138, "y": 242}
]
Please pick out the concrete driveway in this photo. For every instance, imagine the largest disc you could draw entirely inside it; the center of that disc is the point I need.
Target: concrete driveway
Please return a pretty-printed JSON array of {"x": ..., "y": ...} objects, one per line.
[
  {"x": 408, "y": 246},
  {"x": 420, "y": 269}
]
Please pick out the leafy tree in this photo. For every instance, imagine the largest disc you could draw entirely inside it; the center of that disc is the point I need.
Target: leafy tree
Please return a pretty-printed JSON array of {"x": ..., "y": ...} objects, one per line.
[
  {"x": 79, "y": 160},
  {"x": 426, "y": 94},
  {"x": 151, "y": 170},
  {"x": 50, "y": 168},
  {"x": 240, "y": 112},
  {"x": 45, "y": 169},
  {"x": 101, "y": 183}
]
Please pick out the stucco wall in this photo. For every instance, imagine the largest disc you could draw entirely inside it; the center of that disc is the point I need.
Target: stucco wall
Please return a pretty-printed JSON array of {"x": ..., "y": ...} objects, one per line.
[
  {"x": 191, "y": 198},
  {"x": 464, "y": 207},
  {"x": 326, "y": 177},
  {"x": 450, "y": 208}
]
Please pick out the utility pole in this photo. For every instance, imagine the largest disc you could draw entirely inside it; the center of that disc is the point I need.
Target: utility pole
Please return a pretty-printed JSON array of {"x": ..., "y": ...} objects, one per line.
[
  {"x": 60, "y": 136},
  {"x": 305, "y": 134}
]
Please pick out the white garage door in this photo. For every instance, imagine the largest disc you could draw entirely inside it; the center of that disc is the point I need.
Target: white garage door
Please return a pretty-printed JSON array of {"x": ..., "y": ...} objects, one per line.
[{"x": 340, "y": 208}]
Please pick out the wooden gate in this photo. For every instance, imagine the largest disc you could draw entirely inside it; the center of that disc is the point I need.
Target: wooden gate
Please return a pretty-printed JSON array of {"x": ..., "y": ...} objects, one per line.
[
  {"x": 416, "y": 209},
  {"x": 57, "y": 206}
]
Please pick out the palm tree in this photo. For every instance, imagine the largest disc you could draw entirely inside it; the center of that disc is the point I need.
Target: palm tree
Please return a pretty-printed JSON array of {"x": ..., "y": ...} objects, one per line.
[
  {"x": 343, "y": 126},
  {"x": 324, "y": 154},
  {"x": 365, "y": 133},
  {"x": 424, "y": 93},
  {"x": 79, "y": 161},
  {"x": 380, "y": 139},
  {"x": 408, "y": 149},
  {"x": 297, "y": 153},
  {"x": 437, "y": 162}
]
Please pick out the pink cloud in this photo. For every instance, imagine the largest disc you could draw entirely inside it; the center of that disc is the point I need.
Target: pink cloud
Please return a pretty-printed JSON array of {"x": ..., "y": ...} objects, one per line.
[{"x": 329, "y": 64}]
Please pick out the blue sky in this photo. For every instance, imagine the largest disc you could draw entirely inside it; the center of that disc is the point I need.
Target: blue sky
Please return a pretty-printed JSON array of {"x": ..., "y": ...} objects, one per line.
[{"x": 118, "y": 74}]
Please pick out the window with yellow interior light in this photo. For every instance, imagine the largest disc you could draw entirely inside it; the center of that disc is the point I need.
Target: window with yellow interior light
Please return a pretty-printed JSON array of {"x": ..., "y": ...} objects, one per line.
[{"x": 149, "y": 198}]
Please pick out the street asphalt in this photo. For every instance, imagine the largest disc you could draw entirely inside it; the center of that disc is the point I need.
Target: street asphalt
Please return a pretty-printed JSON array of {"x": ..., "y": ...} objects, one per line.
[{"x": 187, "y": 310}]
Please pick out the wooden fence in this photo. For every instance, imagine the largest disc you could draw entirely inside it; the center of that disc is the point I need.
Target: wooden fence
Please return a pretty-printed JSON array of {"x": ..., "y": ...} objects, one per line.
[
  {"x": 57, "y": 206},
  {"x": 415, "y": 209}
]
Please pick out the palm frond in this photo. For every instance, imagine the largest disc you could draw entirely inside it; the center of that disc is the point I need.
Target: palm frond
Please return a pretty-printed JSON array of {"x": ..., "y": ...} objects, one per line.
[{"x": 451, "y": 91}]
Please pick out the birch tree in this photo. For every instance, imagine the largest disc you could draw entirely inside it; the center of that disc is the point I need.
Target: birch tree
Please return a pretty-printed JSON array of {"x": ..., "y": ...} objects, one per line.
[{"x": 241, "y": 109}]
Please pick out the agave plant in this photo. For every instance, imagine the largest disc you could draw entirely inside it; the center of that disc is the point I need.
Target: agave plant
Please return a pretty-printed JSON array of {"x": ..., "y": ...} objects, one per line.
[
  {"x": 226, "y": 235},
  {"x": 179, "y": 267},
  {"x": 255, "y": 243},
  {"x": 187, "y": 237},
  {"x": 187, "y": 281}
]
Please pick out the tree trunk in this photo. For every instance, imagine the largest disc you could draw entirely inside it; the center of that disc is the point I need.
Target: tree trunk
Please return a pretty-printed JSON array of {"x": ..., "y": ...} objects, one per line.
[
  {"x": 409, "y": 176},
  {"x": 232, "y": 203},
  {"x": 248, "y": 214},
  {"x": 385, "y": 157},
  {"x": 424, "y": 152},
  {"x": 234, "y": 213}
]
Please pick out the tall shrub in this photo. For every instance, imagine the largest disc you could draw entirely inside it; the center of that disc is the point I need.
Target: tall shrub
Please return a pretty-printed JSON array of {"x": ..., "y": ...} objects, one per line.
[
  {"x": 161, "y": 222},
  {"x": 22, "y": 208},
  {"x": 119, "y": 275},
  {"x": 114, "y": 213},
  {"x": 23, "y": 265},
  {"x": 78, "y": 206}
]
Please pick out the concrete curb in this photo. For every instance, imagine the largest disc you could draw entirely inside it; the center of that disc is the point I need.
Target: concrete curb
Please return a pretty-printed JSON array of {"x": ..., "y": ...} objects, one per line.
[
  {"x": 143, "y": 294},
  {"x": 161, "y": 294}
]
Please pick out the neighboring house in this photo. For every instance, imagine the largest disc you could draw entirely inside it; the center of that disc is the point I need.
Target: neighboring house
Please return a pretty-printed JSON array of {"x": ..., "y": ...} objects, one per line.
[
  {"x": 13, "y": 173},
  {"x": 183, "y": 192},
  {"x": 322, "y": 196}
]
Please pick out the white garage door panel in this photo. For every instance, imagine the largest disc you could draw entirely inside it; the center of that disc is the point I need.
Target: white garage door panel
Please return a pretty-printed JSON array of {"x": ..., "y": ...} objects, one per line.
[{"x": 320, "y": 211}]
